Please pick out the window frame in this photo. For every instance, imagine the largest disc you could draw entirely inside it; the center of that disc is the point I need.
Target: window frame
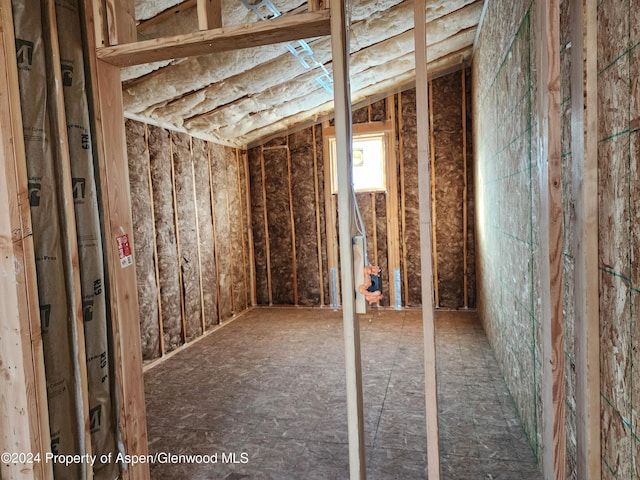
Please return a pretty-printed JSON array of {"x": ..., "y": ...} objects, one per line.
[{"x": 362, "y": 130}]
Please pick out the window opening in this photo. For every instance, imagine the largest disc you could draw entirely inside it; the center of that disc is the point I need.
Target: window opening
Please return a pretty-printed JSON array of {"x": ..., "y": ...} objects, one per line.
[{"x": 369, "y": 162}]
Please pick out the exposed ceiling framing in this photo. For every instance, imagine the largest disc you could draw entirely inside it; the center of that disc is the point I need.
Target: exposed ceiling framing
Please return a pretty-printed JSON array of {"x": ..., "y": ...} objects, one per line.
[{"x": 242, "y": 96}]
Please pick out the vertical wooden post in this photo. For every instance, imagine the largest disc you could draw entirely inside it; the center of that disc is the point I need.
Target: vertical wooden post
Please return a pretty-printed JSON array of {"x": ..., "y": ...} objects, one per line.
[
  {"x": 24, "y": 419},
  {"x": 111, "y": 150},
  {"x": 335, "y": 299},
  {"x": 155, "y": 241},
  {"x": 584, "y": 153},
  {"x": 116, "y": 206},
  {"x": 252, "y": 262},
  {"x": 209, "y": 14},
  {"x": 344, "y": 170},
  {"x": 434, "y": 222},
  {"x": 315, "y": 5},
  {"x": 177, "y": 228},
  {"x": 316, "y": 189},
  {"x": 121, "y": 21},
  {"x": 71, "y": 256},
  {"x": 330, "y": 215},
  {"x": 230, "y": 250},
  {"x": 403, "y": 204},
  {"x": 393, "y": 248},
  {"x": 424, "y": 195},
  {"x": 215, "y": 237},
  {"x": 294, "y": 255},
  {"x": 374, "y": 227},
  {"x": 101, "y": 24},
  {"x": 242, "y": 228},
  {"x": 465, "y": 269},
  {"x": 195, "y": 203},
  {"x": 266, "y": 226},
  {"x": 550, "y": 234}
]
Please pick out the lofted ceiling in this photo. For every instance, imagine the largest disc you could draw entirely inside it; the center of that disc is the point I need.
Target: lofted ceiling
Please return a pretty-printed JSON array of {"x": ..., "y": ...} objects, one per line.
[{"x": 240, "y": 97}]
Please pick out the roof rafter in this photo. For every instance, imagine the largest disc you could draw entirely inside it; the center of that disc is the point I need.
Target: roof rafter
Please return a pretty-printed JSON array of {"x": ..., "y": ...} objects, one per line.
[
  {"x": 266, "y": 80},
  {"x": 299, "y": 94},
  {"x": 404, "y": 72},
  {"x": 452, "y": 62}
]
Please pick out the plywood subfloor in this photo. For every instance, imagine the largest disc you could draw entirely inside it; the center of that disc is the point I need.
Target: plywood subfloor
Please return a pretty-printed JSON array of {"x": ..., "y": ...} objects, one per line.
[{"x": 271, "y": 385}]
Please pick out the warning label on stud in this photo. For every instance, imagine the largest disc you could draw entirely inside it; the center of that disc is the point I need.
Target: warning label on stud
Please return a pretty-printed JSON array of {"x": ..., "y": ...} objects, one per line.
[{"x": 124, "y": 250}]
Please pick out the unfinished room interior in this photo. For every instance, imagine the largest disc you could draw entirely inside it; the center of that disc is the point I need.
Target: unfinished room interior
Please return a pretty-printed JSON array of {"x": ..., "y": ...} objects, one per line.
[{"x": 322, "y": 239}]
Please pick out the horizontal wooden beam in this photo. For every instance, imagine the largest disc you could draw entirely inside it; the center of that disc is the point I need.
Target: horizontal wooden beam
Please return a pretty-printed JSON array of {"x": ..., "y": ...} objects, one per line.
[
  {"x": 364, "y": 128},
  {"x": 268, "y": 32}
]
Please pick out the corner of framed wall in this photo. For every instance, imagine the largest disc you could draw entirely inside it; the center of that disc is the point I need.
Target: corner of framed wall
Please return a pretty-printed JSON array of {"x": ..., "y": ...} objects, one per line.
[{"x": 111, "y": 151}]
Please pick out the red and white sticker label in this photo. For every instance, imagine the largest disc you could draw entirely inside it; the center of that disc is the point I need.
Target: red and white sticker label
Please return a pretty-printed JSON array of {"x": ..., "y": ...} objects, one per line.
[{"x": 124, "y": 250}]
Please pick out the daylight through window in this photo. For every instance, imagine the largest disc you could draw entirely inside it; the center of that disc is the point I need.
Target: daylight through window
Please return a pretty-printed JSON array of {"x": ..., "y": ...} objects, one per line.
[{"x": 369, "y": 154}]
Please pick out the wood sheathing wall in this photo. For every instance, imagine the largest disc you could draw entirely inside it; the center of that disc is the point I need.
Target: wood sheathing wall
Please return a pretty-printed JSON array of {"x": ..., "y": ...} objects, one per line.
[
  {"x": 191, "y": 233},
  {"x": 619, "y": 237},
  {"x": 294, "y": 214},
  {"x": 507, "y": 196},
  {"x": 504, "y": 99}
]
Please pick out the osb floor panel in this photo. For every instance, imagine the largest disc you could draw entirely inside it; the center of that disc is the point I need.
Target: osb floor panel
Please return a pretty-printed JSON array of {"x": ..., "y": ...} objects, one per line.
[{"x": 270, "y": 385}]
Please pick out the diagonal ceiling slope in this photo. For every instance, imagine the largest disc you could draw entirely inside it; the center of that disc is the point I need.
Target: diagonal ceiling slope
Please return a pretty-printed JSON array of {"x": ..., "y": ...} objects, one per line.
[{"x": 242, "y": 96}]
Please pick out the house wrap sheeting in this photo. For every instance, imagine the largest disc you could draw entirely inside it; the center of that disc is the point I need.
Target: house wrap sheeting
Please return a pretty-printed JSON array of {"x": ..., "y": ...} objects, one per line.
[
  {"x": 85, "y": 196},
  {"x": 53, "y": 247},
  {"x": 54, "y": 288}
]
